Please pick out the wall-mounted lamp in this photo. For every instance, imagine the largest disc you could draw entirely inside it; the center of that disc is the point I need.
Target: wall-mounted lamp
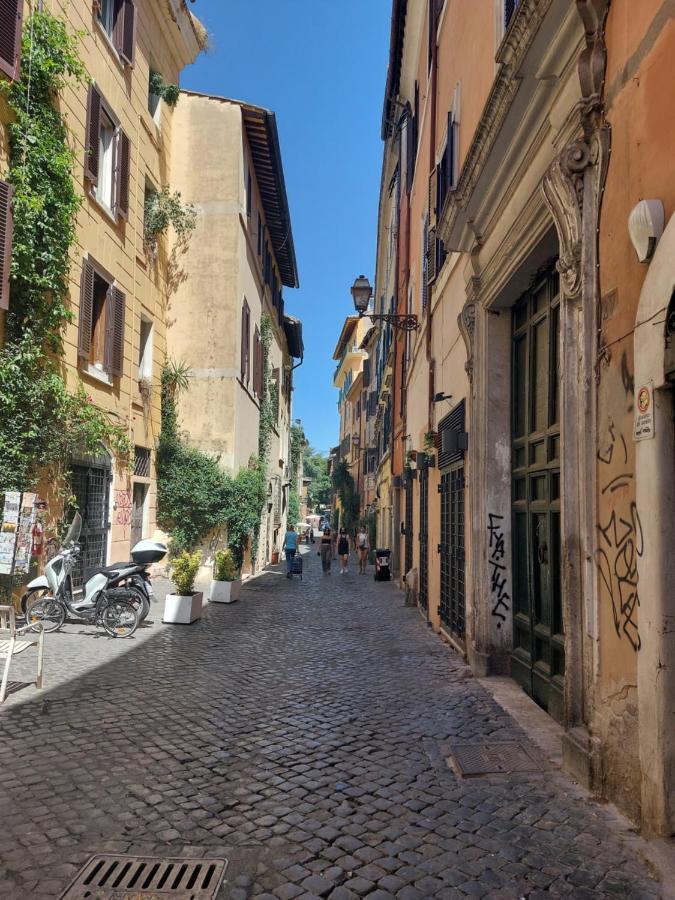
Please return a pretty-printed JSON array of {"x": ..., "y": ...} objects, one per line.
[
  {"x": 441, "y": 396},
  {"x": 645, "y": 227},
  {"x": 362, "y": 293}
]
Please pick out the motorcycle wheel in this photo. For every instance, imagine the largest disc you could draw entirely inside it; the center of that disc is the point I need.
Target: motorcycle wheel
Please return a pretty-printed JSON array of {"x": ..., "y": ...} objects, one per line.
[
  {"x": 31, "y": 596},
  {"x": 142, "y": 605},
  {"x": 47, "y": 610},
  {"x": 119, "y": 618}
]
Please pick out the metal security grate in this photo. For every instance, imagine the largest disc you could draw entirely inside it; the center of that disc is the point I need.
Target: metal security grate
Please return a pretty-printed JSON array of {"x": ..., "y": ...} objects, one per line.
[
  {"x": 107, "y": 877},
  {"x": 141, "y": 462},
  {"x": 494, "y": 759}
]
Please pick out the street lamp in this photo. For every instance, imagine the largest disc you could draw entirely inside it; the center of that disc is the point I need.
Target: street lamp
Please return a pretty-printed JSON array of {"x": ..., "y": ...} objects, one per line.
[{"x": 362, "y": 293}]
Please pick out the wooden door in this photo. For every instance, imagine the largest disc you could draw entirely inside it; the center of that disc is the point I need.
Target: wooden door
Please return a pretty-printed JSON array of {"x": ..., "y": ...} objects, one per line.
[{"x": 538, "y": 660}]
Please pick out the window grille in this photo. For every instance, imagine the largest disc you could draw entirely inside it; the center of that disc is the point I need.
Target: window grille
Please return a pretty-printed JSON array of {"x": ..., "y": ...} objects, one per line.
[{"x": 141, "y": 462}]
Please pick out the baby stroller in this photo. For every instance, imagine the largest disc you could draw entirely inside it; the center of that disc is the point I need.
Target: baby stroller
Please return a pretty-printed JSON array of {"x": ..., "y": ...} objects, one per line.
[{"x": 382, "y": 568}]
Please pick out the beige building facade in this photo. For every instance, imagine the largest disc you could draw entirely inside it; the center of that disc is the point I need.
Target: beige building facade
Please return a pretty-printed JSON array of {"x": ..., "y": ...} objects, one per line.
[
  {"x": 232, "y": 275},
  {"x": 115, "y": 344}
]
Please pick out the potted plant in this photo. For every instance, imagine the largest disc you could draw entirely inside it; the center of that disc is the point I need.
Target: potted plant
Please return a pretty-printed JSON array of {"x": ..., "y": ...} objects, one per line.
[
  {"x": 226, "y": 582},
  {"x": 185, "y": 606}
]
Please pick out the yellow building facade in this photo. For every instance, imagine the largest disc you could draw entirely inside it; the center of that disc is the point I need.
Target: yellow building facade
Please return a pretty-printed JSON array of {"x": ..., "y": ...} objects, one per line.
[{"x": 115, "y": 344}]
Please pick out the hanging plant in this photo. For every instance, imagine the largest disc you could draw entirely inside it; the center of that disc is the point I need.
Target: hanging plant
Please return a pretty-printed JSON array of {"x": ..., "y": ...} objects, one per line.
[
  {"x": 168, "y": 92},
  {"x": 162, "y": 209}
]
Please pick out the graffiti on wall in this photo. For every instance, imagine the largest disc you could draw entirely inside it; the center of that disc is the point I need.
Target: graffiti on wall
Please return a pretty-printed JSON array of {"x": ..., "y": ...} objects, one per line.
[
  {"x": 123, "y": 507},
  {"x": 620, "y": 542},
  {"x": 498, "y": 574}
]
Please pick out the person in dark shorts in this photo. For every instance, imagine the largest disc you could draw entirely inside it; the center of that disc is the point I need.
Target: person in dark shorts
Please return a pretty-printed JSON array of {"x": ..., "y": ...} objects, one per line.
[
  {"x": 343, "y": 550},
  {"x": 326, "y": 550}
]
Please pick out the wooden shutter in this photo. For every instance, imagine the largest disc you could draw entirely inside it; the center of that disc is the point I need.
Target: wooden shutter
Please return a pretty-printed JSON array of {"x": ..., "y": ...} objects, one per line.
[
  {"x": 245, "y": 341},
  {"x": 6, "y": 191},
  {"x": 92, "y": 135},
  {"x": 86, "y": 309},
  {"x": 116, "y": 315},
  {"x": 431, "y": 256},
  {"x": 10, "y": 36},
  {"x": 124, "y": 31},
  {"x": 433, "y": 196},
  {"x": 123, "y": 169}
]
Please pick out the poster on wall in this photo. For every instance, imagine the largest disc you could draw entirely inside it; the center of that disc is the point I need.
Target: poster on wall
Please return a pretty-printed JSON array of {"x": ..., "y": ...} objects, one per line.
[
  {"x": 24, "y": 539},
  {"x": 8, "y": 531},
  {"x": 644, "y": 412}
]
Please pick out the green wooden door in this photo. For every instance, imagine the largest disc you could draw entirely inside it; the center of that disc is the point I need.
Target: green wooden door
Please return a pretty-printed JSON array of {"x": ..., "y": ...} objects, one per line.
[{"x": 538, "y": 659}]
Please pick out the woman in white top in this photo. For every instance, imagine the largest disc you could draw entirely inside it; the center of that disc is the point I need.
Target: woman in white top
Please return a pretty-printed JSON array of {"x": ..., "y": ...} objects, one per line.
[{"x": 362, "y": 547}]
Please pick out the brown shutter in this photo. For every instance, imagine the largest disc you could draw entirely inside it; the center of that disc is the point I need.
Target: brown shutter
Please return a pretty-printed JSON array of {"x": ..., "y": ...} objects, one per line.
[
  {"x": 6, "y": 191},
  {"x": 10, "y": 36},
  {"x": 124, "y": 30},
  {"x": 86, "y": 309},
  {"x": 92, "y": 136},
  {"x": 123, "y": 167},
  {"x": 433, "y": 196},
  {"x": 431, "y": 257},
  {"x": 245, "y": 341},
  {"x": 116, "y": 308}
]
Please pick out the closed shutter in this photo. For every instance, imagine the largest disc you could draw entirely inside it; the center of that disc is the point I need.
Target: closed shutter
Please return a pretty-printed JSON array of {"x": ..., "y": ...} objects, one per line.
[
  {"x": 10, "y": 36},
  {"x": 86, "y": 309},
  {"x": 245, "y": 341},
  {"x": 433, "y": 196},
  {"x": 92, "y": 136},
  {"x": 366, "y": 372},
  {"x": 432, "y": 258},
  {"x": 124, "y": 32},
  {"x": 123, "y": 168},
  {"x": 6, "y": 191},
  {"x": 117, "y": 308}
]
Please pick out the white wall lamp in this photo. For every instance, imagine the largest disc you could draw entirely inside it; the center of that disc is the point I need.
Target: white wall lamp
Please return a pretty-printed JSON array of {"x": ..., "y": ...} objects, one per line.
[{"x": 645, "y": 227}]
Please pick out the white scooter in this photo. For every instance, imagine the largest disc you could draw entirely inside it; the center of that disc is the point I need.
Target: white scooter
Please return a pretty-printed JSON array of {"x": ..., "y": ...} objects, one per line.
[{"x": 117, "y": 596}]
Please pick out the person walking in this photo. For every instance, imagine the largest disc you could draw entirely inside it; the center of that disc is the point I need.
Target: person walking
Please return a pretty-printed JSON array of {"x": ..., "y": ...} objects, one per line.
[
  {"x": 326, "y": 550},
  {"x": 290, "y": 546},
  {"x": 362, "y": 548},
  {"x": 343, "y": 550}
]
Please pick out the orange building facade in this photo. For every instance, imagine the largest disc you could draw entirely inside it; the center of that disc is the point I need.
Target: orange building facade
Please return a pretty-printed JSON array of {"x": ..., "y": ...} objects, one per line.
[{"x": 523, "y": 433}]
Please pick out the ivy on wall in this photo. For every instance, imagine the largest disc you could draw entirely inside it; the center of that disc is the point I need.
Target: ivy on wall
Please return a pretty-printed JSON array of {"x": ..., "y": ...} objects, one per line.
[
  {"x": 349, "y": 498},
  {"x": 42, "y": 423}
]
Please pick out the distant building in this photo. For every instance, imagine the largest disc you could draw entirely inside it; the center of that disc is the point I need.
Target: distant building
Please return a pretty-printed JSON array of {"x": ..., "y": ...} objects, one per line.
[{"x": 227, "y": 163}]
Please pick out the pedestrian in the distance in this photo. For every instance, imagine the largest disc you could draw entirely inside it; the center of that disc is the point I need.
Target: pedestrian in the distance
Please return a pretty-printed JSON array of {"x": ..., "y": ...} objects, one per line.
[
  {"x": 362, "y": 548},
  {"x": 343, "y": 550},
  {"x": 290, "y": 546},
  {"x": 326, "y": 550}
]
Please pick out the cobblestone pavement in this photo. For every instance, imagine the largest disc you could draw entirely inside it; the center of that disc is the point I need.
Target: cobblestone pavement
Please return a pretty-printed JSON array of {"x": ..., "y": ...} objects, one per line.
[{"x": 302, "y": 734}]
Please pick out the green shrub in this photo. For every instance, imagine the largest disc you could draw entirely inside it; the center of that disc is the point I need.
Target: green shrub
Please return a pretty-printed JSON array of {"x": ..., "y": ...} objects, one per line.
[
  {"x": 224, "y": 568},
  {"x": 184, "y": 570}
]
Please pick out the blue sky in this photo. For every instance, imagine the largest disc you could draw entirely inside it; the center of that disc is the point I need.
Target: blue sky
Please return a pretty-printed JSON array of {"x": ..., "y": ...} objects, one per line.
[{"x": 321, "y": 66}]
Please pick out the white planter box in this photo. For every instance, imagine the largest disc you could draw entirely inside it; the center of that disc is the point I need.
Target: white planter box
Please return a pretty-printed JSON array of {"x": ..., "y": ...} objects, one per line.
[
  {"x": 179, "y": 610},
  {"x": 225, "y": 591}
]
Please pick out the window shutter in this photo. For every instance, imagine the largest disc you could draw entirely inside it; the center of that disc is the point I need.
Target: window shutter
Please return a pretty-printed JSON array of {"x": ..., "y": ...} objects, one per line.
[
  {"x": 117, "y": 310},
  {"x": 10, "y": 36},
  {"x": 431, "y": 256},
  {"x": 123, "y": 169},
  {"x": 6, "y": 191},
  {"x": 92, "y": 136},
  {"x": 433, "y": 196},
  {"x": 124, "y": 32},
  {"x": 245, "y": 342},
  {"x": 86, "y": 309}
]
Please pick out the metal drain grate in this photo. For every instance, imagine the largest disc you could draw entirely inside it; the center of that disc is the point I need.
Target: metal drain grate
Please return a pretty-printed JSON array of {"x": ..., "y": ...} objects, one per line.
[
  {"x": 492, "y": 759},
  {"x": 107, "y": 877}
]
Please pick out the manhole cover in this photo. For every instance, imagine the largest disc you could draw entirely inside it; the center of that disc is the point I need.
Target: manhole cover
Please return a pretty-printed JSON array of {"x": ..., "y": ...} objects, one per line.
[
  {"x": 489, "y": 759},
  {"x": 107, "y": 877}
]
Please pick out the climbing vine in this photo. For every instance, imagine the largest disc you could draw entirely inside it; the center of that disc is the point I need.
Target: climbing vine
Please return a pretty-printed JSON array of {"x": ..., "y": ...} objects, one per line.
[
  {"x": 42, "y": 422},
  {"x": 343, "y": 483},
  {"x": 268, "y": 406}
]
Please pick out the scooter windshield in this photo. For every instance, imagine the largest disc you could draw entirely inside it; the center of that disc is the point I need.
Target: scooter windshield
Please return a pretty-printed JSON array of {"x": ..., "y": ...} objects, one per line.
[{"x": 73, "y": 535}]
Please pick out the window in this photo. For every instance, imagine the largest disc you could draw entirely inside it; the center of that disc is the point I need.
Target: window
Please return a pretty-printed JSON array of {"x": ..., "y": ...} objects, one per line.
[
  {"x": 154, "y": 100},
  {"x": 107, "y": 157},
  {"x": 145, "y": 349},
  {"x": 260, "y": 234},
  {"x": 249, "y": 195},
  {"x": 245, "y": 342},
  {"x": 101, "y": 325},
  {"x": 118, "y": 19},
  {"x": 6, "y": 229},
  {"x": 425, "y": 256},
  {"x": 10, "y": 37},
  {"x": 510, "y": 7}
]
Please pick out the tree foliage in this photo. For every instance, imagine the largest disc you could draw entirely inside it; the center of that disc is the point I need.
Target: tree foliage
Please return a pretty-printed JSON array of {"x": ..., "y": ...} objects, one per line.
[{"x": 319, "y": 488}]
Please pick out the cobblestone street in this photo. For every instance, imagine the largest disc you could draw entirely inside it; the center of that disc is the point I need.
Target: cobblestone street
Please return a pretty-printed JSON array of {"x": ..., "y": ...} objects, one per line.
[{"x": 302, "y": 734}]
